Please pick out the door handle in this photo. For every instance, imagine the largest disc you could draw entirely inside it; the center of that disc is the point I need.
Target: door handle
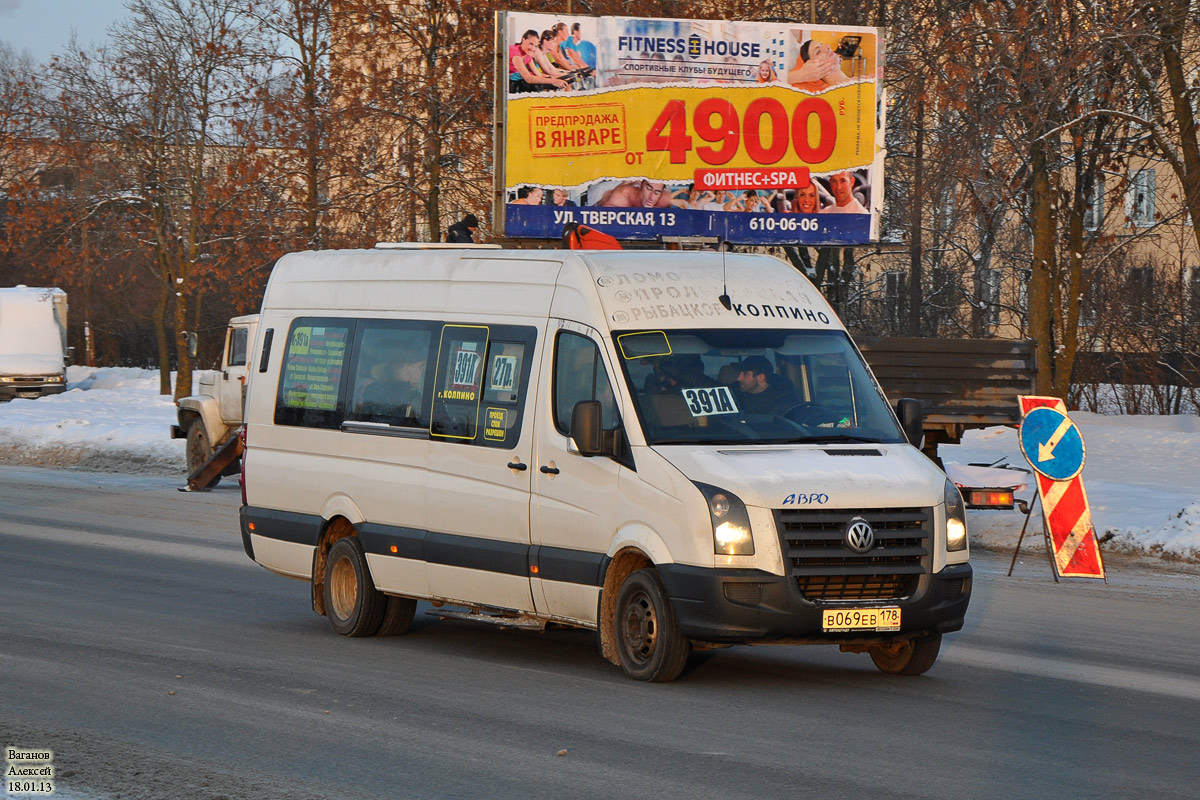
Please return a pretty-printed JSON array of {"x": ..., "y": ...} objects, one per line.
[
  {"x": 548, "y": 470},
  {"x": 517, "y": 465}
]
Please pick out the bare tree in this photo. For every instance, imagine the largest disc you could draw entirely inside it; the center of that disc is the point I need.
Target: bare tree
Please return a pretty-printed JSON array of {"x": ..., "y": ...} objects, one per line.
[
  {"x": 165, "y": 99},
  {"x": 19, "y": 126},
  {"x": 414, "y": 99},
  {"x": 298, "y": 110}
]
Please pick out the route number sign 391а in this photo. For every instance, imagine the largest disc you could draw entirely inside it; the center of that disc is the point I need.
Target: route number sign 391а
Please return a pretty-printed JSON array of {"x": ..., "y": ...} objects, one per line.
[{"x": 1053, "y": 446}]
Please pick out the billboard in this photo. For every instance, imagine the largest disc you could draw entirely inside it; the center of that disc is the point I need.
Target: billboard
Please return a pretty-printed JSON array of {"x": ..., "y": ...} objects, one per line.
[{"x": 752, "y": 132}]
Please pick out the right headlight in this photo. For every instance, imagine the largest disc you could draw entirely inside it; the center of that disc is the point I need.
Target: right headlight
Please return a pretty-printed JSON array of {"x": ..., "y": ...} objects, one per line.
[
  {"x": 730, "y": 522},
  {"x": 956, "y": 519}
]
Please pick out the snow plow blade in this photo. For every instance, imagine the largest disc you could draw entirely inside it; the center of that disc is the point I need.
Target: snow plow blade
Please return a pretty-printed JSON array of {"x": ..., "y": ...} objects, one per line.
[{"x": 203, "y": 476}]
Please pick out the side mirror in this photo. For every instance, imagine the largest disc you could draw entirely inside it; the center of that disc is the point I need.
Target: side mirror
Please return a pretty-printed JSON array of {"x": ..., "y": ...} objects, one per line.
[
  {"x": 193, "y": 344},
  {"x": 912, "y": 420},
  {"x": 70, "y": 358},
  {"x": 585, "y": 427}
]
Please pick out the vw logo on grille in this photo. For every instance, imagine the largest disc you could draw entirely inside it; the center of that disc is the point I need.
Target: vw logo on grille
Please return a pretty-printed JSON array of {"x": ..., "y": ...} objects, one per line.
[{"x": 859, "y": 536}]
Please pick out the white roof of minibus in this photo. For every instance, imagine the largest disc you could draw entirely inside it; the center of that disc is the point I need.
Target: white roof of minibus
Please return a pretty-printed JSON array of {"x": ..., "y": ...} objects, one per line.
[
  {"x": 630, "y": 289},
  {"x": 446, "y": 280}
]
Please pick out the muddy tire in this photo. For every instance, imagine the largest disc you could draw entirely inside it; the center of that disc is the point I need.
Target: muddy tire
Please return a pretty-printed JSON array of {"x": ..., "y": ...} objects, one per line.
[
  {"x": 199, "y": 450},
  {"x": 913, "y": 657},
  {"x": 650, "y": 646},
  {"x": 352, "y": 603},
  {"x": 398, "y": 616}
]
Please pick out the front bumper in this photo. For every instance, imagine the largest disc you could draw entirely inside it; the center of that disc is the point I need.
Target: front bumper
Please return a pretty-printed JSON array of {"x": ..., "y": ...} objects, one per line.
[
  {"x": 30, "y": 389},
  {"x": 737, "y": 606}
]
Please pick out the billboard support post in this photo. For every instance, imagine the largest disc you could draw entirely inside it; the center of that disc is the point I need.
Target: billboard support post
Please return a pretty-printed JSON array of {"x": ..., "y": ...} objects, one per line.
[{"x": 498, "y": 114}]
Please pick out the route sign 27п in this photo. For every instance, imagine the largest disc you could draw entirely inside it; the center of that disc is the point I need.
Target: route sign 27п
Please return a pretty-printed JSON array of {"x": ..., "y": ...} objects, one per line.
[{"x": 1053, "y": 446}]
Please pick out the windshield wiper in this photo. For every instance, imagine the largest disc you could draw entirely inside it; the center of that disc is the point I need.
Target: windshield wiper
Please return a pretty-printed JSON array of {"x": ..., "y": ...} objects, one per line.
[
  {"x": 831, "y": 439},
  {"x": 706, "y": 442}
]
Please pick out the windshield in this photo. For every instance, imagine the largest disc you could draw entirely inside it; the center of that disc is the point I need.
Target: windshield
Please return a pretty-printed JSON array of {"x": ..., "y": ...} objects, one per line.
[{"x": 752, "y": 387}]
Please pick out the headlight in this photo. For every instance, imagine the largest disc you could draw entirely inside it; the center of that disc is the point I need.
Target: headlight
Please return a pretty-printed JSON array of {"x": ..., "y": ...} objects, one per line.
[
  {"x": 956, "y": 519},
  {"x": 730, "y": 522}
]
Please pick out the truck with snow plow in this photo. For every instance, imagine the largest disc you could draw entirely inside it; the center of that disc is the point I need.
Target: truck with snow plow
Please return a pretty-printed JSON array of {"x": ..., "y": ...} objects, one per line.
[{"x": 210, "y": 419}]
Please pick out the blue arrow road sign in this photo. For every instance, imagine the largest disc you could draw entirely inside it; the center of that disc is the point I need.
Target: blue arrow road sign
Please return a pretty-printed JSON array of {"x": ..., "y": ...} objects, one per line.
[{"x": 1052, "y": 444}]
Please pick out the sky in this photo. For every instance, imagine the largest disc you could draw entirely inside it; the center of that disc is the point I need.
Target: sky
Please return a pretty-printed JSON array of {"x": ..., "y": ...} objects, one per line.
[
  {"x": 1142, "y": 473},
  {"x": 43, "y": 26}
]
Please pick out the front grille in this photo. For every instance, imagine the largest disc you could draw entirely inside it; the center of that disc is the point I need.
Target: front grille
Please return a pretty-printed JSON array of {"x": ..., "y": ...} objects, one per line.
[{"x": 825, "y": 569}]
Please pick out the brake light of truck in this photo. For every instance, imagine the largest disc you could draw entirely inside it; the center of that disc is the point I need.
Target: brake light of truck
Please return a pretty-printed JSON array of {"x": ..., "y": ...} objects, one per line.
[
  {"x": 242, "y": 474},
  {"x": 985, "y": 498}
]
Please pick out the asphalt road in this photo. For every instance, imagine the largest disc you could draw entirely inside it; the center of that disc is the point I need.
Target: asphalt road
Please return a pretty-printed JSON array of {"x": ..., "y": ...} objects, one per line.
[{"x": 141, "y": 645}]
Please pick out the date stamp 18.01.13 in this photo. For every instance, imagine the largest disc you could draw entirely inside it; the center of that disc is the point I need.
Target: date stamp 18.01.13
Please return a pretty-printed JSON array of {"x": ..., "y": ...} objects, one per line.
[{"x": 28, "y": 772}]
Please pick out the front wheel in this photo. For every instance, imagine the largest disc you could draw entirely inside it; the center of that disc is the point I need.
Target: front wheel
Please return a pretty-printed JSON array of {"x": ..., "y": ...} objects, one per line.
[
  {"x": 352, "y": 603},
  {"x": 199, "y": 450},
  {"x": 649, "y": 645},
  {"x": 913, "y": 657}
]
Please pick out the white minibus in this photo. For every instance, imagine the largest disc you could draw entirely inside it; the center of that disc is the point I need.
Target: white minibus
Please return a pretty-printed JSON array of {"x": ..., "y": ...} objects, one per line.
[{"x": 678, "y": 450}]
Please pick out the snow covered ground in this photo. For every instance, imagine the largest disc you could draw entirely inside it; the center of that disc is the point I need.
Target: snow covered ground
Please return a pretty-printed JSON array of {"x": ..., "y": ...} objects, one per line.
[{"x": 1142, "y": 473}]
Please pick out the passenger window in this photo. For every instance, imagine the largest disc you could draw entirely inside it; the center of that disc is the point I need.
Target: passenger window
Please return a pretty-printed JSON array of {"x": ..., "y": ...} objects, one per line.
[
  {"x": 310, "y": 384},
  {"x": 391, "y": 367},
  {"x": 503, "y": 389},
  {"x": 579, "y": 374},
  {"x": 458, "y": 383},
  {"x": 482, "y": 379},
  {"x": 238, "y": 344}
]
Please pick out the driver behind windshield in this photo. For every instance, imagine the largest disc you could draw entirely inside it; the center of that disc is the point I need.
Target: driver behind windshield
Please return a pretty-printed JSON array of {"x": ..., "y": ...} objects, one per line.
[{"x": 761, "y": 390}]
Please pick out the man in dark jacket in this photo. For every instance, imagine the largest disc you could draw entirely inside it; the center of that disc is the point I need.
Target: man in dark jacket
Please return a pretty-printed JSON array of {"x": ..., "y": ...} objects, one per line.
[
  {"x": 463, "y": 231},
  {"x": 762, "y": 390}
]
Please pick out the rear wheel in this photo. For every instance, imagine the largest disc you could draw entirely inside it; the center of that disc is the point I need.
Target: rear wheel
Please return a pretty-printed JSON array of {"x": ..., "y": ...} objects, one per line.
[
  {"x": 398, "y": 616},
  {"x": 352, "y": 603},
  {"x": 913, "y": 657},
  {"x": 199, "y": 450},
  {"x": 649, "y": 645}
]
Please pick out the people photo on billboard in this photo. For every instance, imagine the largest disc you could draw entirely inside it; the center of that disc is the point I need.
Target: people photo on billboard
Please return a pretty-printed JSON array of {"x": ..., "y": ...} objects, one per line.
[{"x": 751, "y": 132}]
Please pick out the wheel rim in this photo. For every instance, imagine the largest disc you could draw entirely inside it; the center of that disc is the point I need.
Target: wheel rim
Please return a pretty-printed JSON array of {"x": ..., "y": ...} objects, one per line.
[
  {"x": 894, "y": 655},
  {"x": 343, "y": 588},
  {"x": 639, "y": 625}
]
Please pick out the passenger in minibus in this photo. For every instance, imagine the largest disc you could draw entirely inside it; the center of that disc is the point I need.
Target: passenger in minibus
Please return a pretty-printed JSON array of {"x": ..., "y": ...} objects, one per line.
[
  {"x": 396, "y": 391},
  {"x": 676, "y": 372}
]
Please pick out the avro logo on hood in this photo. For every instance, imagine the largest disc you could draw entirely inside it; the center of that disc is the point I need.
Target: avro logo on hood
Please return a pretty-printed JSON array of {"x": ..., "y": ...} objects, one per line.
[{"x": 801, "y": 499}]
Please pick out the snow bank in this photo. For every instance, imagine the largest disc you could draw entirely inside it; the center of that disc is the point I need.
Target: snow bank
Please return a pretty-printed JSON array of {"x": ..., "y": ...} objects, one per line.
[{"x": 109, "y": 419}]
